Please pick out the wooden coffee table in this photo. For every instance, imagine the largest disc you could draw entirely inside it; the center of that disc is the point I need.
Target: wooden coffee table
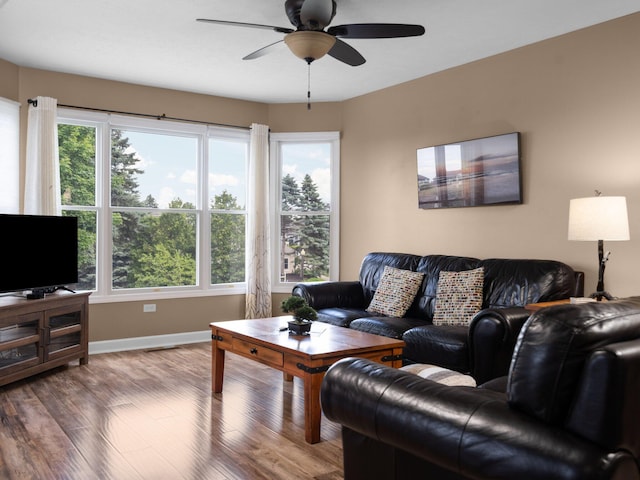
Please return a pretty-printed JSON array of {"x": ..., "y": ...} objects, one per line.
[
  {"x": 304, "y": 356},
  {"x": 534, "y": 307}
]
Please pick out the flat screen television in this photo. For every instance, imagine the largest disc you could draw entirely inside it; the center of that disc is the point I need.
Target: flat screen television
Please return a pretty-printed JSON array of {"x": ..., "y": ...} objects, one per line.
[
  {"x": 471, "y": 173},
  {"x": 38, "y": 253}
]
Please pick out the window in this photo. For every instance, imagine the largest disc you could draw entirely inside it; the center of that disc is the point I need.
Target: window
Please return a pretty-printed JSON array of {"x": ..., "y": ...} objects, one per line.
[
  {"x": 305, "y": 190},
  {"x": 161, "y": 205},
  {"x": 9, "y": 157}
]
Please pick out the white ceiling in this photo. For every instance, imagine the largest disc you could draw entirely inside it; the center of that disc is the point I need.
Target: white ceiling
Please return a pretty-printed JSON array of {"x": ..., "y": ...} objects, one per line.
[{"x": 159, "y": 43}]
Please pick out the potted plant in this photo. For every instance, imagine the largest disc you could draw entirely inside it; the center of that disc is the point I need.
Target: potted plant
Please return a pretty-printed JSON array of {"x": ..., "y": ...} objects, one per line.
[{"x": 302, "y": 314}]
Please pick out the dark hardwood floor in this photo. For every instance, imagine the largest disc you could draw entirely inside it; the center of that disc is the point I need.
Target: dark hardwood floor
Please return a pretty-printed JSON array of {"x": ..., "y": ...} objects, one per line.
[{"x": 151, "y": 415}]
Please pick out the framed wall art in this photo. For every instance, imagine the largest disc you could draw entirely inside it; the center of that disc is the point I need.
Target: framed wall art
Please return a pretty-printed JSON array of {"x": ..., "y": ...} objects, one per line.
[{"x": 471, "y": 173}]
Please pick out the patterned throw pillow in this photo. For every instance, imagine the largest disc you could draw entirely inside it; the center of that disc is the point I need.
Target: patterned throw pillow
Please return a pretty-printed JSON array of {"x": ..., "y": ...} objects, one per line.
[
  {"x": 396, "y": 291},
  {"x": 440, "y": 375},
  {"x": 459, "y": 297}
]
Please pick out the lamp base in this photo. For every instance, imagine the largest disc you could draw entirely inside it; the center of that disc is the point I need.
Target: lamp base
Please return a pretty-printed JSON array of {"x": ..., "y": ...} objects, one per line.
[{"x": 602, "y": 294}]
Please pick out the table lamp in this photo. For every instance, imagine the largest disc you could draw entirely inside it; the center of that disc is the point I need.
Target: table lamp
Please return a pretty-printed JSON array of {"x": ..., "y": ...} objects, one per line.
[{"x": 599, "y": 218}]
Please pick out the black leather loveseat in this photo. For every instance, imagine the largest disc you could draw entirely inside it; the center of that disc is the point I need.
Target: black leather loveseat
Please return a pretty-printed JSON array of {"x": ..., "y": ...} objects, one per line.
[
  {"x": 482, "y": 348},
  {"x": 568, "y": 410}
]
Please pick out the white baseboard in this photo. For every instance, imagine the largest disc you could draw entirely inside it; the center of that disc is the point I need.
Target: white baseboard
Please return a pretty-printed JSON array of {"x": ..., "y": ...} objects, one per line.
[{"x": 155, "y": 341}]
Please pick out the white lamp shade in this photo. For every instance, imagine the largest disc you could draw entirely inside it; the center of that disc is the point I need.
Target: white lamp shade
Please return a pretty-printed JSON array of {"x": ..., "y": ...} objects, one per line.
[
  {"x": 308, "y": 44},
  {"x": 598, "y": 218}
]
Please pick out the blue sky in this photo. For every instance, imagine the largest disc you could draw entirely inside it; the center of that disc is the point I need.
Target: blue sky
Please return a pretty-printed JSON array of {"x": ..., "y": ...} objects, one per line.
[
  {"x": 170, "y": 169},
  {"x": 312, "y": 158}
]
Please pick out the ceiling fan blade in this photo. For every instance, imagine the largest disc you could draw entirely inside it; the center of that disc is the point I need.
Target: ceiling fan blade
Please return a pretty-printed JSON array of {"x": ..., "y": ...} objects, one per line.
[
  {"x": 263, "y": 51},
  {"x": 317, "y": 14},
  {"x": 376, "y": 30},
  {"x": 346, "y": 53},
  {"x": 242, "y": 24}
]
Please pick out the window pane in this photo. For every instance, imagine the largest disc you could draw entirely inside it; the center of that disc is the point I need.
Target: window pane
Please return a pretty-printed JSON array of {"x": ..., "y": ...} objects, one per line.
[
  {"x": 304, "y": 248},
  {"x": 153, "y": 250},
  {"x": 227, "y": 248},
  {"x": 9, "y": 156},
  {"x": 77, "y": 149},
  {"x": 228, "y": 171},
  {"x": 87, "y": 248},
  {"x": 306, "y": 177},
  {"x": 153, "y": 170}
]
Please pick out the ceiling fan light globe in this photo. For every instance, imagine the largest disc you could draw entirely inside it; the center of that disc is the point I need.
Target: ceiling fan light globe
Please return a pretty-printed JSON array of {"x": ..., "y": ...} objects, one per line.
[{"x": 309, "y": 44}]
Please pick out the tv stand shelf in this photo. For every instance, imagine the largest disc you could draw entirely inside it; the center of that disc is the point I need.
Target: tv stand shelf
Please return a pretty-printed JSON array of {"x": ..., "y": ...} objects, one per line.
[{"x": 38, "y": 335}]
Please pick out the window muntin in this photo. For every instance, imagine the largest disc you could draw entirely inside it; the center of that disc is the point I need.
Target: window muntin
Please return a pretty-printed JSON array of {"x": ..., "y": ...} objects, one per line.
[
  {"x": 228, "y": 161},
  {"x": 9, "y": 156},
  {"x": 77, "y": 151},
  {"x": 153, "y": 250},
  {"x": 143, "y": 197},
  {"x": 78, "y": 145},
  {"x": 307, "y": 197},
  {"x": 153, "y": 169}
]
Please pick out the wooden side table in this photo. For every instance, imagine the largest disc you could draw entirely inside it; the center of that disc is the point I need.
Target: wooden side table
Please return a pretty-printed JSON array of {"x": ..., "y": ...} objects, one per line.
[{"x": 534, "y": 307}]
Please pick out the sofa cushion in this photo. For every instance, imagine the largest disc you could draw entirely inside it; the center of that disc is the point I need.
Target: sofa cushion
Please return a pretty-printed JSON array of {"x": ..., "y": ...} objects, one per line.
[
  {"x": 440, "y": 375},
  {"x": 431, "y": 266},
  {"x": 459, "y": 297},
  {"x": 517, "y": 282},
  {"x": 373, "y": 265},
  {"x": 392, "y": 327},
  {"x": 446, "y": 346},
  {"x": 396, "y": 291},
  {"x": 341, "y": 317}
]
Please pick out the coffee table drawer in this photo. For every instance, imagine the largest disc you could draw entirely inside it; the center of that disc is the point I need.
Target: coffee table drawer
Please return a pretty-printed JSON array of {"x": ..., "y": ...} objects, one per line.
[{"x": 259, "y": 352}]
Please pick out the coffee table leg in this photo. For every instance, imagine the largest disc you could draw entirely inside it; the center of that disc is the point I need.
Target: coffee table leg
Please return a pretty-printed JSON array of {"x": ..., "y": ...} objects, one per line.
[
  {"x": 312, "y": 409},
  {"x": 217, "y": 368}
]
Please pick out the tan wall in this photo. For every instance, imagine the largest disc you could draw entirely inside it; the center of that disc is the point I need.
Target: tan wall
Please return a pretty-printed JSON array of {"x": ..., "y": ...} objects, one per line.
[
  {"x": 107, "y": 94},
  {"x": 9, "y": 80},
  {"x": 110, "y": 321},
  {"x": 323, "y": 117},
  {"x": 574, "y": 99}
]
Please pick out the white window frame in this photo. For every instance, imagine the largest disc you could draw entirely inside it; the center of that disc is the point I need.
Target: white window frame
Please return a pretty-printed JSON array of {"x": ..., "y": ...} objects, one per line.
[
  {"x": 104, "y": 123},
  {"x": 276, "y": 141},
  {"x": 9, "y": 156}
]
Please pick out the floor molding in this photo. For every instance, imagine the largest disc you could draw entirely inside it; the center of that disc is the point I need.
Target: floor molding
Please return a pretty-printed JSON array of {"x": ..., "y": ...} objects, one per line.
[{"x": 155, "y": 341}]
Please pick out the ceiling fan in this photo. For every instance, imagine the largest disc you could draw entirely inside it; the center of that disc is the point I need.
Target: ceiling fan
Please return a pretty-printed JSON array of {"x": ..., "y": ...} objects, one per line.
[{"x": 310, "y": 41}]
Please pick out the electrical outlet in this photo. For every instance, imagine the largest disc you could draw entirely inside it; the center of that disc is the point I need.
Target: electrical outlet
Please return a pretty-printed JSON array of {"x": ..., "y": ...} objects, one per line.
[{"x": 149, "y": 307}]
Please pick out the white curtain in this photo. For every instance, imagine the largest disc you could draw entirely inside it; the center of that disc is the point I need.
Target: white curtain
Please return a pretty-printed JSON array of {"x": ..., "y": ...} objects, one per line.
[
  {"x": 258, "y": 260},
  {"x": 42, "y": 172}
]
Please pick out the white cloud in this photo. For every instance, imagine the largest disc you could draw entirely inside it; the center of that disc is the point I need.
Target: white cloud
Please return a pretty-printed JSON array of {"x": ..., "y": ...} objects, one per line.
[
  {"x": 167, "y": 195},
  {"x": 141, "y": 162},
  {"x": 189, "y": 177},
  {"x": 218, "y": 180},
  {"x": 322, "y": 178},
  {"x": 289, "y": 169}
]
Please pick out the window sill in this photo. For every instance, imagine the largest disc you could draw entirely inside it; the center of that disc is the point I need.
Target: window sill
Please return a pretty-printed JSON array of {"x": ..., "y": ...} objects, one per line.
[{"x": 160, "y": 294}]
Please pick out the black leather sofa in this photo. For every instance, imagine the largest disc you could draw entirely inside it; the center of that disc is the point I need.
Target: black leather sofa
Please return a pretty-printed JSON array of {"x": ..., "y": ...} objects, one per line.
[
  {"x": 483, "y": 348},
  {"x": 569, "y": 410}
]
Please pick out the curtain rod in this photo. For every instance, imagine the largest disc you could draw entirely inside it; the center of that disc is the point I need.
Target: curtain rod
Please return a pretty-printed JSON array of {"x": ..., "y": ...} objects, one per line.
[{"x": 34, "y": 102}]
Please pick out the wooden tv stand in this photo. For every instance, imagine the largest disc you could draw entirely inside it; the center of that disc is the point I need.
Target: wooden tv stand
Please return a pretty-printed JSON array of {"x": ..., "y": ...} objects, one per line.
[{"x": 38, "y": 335}]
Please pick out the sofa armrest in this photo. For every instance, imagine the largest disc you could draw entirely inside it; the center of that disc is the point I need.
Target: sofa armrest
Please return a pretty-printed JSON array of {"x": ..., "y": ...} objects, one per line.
[
  {"x": 346, "y": 294},
  {"x": 605, "y": 399},
  {"x": 493, "y": 333},
  {"x": 579, "y": 289},
  {"x": 467, "y": 431}
]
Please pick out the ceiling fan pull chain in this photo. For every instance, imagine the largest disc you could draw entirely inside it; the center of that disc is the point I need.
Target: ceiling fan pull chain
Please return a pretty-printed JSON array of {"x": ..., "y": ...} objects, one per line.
[{"x": 309, "y": 86}]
